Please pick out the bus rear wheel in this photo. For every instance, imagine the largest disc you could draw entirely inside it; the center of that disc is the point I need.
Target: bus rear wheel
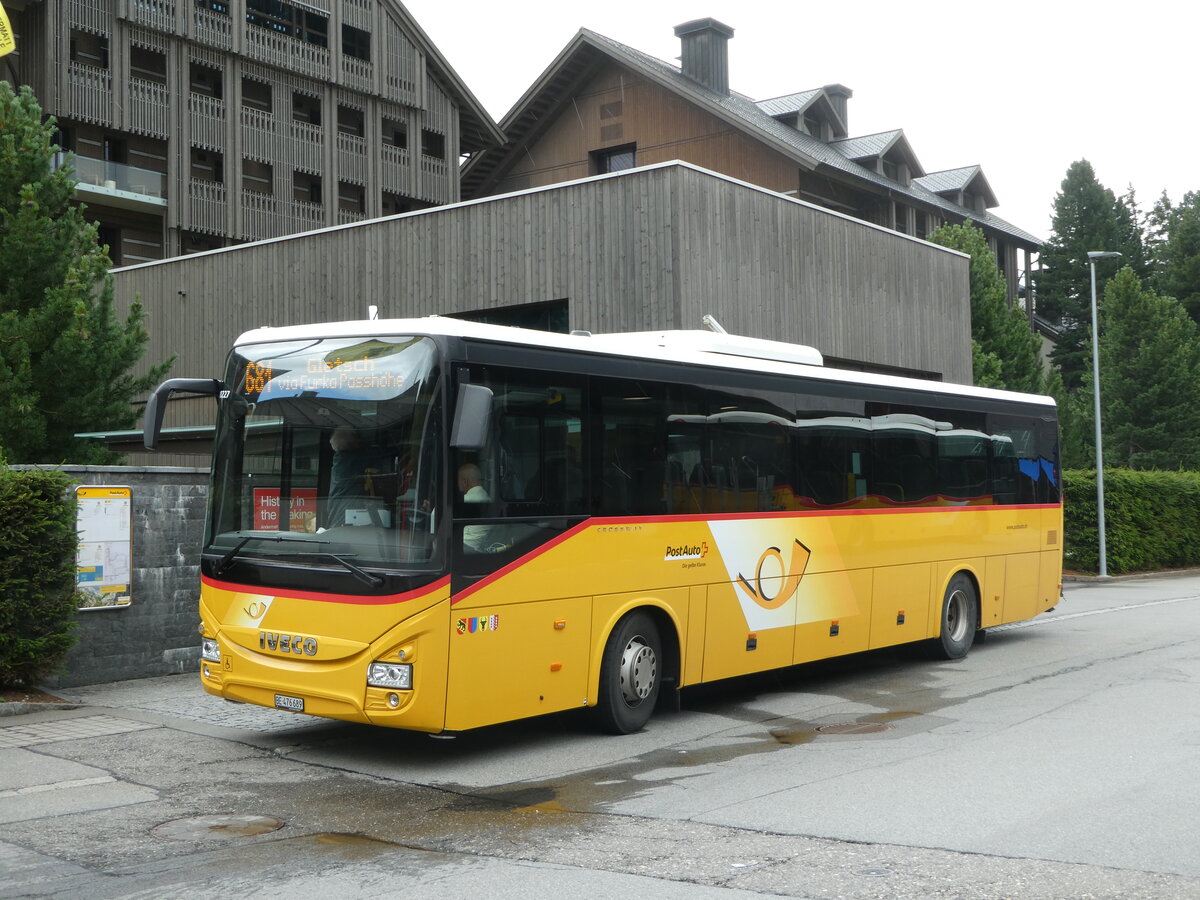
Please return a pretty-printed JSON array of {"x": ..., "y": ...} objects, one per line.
[
  {"x": 960, "y": 619},
  {"x": 630, "y": 675}
]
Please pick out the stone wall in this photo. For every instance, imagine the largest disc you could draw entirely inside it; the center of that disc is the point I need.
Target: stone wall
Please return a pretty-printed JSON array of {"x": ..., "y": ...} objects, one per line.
[{"x": 156, "y": 634}]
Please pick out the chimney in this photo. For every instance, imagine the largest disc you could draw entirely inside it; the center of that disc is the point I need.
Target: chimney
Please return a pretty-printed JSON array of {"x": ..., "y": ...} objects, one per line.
[
  {"x": 705, "y": 54},
  {"x": 838, "y": 95}
]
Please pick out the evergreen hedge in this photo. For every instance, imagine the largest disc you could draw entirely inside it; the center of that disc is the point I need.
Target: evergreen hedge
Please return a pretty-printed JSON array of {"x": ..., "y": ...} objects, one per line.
[
  {"x": 38, "y": 543},
  {"x": 1151, "y": 520}
]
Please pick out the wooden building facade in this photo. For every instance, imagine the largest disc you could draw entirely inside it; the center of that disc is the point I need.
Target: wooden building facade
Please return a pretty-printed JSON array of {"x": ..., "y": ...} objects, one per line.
[
  {"x": 652, "y": 248},
  {"x": 197, "y": 124},
  {"x": 602, "y": 106}
]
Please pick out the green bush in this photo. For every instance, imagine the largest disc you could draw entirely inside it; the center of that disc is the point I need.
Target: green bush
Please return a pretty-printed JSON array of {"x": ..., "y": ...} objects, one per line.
[
  {"x": 37, "y": 573},
  {"x": 1151, "y": 520}
]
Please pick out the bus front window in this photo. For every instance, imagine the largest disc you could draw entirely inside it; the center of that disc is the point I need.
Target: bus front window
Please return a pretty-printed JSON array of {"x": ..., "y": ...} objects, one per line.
[{"x": 329, "y": 456}]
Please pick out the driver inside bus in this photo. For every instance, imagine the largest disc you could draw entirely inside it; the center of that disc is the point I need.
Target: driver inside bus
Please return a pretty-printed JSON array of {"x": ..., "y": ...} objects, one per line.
[
  {"x": 355, "y": 481},
  {"x": 477, "y": 538}
]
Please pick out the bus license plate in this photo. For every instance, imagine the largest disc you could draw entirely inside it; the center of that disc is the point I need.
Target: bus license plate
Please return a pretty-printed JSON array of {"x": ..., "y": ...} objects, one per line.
[{"x": 295, "y": 704}]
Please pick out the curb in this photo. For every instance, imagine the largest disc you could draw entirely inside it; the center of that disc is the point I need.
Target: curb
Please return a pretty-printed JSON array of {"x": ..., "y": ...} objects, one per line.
[
  {"x": 19, "y": 708},
  {"x": 1133, "y": 576}
]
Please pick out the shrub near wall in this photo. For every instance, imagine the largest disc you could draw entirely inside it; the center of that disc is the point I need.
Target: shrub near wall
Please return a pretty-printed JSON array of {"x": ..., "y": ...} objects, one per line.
[
  {"x": 1151, "y": 520},
  {"x": 37, "y": 573}
]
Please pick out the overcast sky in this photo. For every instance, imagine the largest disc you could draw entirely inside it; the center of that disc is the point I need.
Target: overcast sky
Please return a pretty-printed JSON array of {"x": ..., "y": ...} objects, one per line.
[{"x": 1021, "y": 88}]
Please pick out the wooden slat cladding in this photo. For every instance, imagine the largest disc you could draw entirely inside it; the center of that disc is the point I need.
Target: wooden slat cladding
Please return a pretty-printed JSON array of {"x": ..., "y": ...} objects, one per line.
[{"x": 648, "y": 249}]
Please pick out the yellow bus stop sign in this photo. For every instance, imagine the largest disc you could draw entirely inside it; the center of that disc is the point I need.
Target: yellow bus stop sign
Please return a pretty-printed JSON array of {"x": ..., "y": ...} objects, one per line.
[{"x": 7, "y": 42}]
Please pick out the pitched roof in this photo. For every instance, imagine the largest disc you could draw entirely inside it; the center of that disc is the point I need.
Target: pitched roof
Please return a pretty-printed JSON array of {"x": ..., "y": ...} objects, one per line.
[
  {"x": 477, "y": 129},
  {"x": 588, "y": 51},
  {"x": 952, "y": 181}
]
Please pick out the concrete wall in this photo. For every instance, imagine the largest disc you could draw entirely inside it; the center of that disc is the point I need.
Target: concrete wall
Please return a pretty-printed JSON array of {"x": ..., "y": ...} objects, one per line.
[{"x": 156, "y": 634}]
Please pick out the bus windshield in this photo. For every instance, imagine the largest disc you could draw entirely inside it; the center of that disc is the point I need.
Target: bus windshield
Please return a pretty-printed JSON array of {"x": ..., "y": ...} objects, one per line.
[{"x": 328, "y": 456}]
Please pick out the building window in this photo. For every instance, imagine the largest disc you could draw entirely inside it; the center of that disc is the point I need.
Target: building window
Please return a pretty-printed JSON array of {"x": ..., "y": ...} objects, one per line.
[
  {"x": 149, "y": 65},
  {"x": 306, "y": 108},
  {"x": 891, "y": 170},
  {"x": 306, "y": 187},
  {"x": 285, "y": 18},
  {"x": 922, "y": 230},
  {"x": 205, "y": 80},
  {"x": 110, "y": 237},
  {"x": 256, "y": 94},
  {"x": 351, "y": 120},
  {"x": 207, "y": 165},
  {"x": 194, "y": 242},
  {"x": 433, "y": 144},
  {"x": 257, "y": 176},
  {"x": 615, "y": 159},
  {"x": 217, "y": 6},
  {"x": 395, "y": 134},
  {"x": 351, "y": 197},
  {"x": 356, "y": 43},
  {"x": 89, "y": 49}
]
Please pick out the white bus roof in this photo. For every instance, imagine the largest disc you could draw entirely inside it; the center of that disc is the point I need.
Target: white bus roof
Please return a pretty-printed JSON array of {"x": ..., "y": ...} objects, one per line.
[{"x": 699, "y": 348}]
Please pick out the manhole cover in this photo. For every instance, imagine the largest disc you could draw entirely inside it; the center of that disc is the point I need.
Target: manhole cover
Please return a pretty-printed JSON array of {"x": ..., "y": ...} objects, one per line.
[
  {"x": 216, "y": 828},
  {"x": 854, "y": 728}
]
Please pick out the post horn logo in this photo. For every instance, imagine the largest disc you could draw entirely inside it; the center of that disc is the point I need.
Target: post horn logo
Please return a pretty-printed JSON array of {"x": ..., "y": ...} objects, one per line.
[{"x": 760, "y": 592}]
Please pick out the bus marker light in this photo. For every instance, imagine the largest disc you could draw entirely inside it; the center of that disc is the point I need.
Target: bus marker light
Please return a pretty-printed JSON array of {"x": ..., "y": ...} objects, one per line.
[
  {"x": 393, "y": 700},
  {"x": 560, "y": 624},
  {"x": 555, "y": 667},
  {"x": 752, "y": 641},
  {"x": 900, "y": 617},
  {"x": 833, "y": 628}
]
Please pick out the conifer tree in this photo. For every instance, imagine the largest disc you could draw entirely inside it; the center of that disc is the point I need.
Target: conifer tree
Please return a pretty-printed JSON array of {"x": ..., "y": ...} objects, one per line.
[
  {"x": 1177, "y": 273},
  {"x": 1004, "y": 350},
  {"x": 1086, "y": 218},
  {"x": 1149, "y": 378},
  {"x": 65, "y": 354}
]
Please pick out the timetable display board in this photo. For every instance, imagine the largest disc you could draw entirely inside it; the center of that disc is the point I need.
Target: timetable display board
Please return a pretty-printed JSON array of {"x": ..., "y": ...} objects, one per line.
[{"x": 104, "y": 561}]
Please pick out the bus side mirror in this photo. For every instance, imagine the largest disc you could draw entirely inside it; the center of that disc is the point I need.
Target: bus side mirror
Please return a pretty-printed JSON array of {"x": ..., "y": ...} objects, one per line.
[
  {"x": 156, "y": 404},
  {"x": 472, "y": 417}
]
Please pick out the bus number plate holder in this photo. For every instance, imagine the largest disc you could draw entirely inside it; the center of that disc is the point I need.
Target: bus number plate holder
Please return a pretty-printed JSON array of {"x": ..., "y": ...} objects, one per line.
[{"x": 292, "y": 704}]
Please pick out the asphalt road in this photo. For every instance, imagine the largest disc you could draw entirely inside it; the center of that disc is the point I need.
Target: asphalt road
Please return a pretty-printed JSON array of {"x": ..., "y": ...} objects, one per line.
[{"x": 1059, "y": 760}]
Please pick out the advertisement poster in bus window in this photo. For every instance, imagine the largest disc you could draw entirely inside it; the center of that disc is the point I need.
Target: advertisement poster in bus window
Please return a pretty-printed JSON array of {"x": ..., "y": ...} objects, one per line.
[
  {"x": 103, "y": 560},
  {"x": 302, "y": 512}
]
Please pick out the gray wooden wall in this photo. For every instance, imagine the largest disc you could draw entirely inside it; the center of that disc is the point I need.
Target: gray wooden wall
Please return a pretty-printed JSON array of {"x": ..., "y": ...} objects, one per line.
[{"x": 651, "y": 248}]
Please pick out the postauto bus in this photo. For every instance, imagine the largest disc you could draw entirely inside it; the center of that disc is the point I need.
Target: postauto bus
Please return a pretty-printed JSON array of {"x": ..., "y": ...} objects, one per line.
[{"x": 438, "y": 525}]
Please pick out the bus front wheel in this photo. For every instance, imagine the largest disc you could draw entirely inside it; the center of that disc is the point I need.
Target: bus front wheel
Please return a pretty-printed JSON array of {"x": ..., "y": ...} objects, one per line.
[
  {"x": 960, "y": 619},
  {"x": 630, "y": 674}
]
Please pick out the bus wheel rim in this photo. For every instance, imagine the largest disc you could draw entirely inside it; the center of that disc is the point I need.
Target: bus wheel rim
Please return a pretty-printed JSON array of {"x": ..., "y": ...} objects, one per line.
[
  {"x": 639, "y": 669},
  {"x": 956, "y": 615}
]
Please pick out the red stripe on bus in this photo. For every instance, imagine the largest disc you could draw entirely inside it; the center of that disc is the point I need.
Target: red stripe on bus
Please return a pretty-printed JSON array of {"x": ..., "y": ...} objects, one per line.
[
  {"x": 349, "y": 599},
  {"x": 598, "y": 522}
]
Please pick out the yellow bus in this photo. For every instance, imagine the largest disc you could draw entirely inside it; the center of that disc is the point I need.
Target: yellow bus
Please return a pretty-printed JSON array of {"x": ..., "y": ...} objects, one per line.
[{"x": 438, "y": 525}]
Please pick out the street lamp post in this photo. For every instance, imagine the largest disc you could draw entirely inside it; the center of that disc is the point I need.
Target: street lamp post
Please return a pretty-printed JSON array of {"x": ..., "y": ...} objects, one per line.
[{"x": 1094, "y": 255}]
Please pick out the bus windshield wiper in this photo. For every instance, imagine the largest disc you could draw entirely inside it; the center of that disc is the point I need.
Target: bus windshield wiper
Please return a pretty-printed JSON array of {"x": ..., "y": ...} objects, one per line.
[
  {"x": 359, "y": 573},
  {"x": 224, "y": 562}
]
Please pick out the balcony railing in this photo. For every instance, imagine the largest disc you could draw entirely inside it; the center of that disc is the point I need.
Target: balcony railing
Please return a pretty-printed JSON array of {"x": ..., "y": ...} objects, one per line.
[
  {"x": 91, "y": 92},
  {"x": 286, "y": 52},
  {"x": 352, "y": 157},
  {"x": 395, "y": 173},
  {"x": 157, "y": 14},
  {"x": 308, "y": 146},
  {"x": 208, "y": 121},
  {"x": 258, "y": 135},
  {"x": 149, "y": 109},
  {"x": 112, "y": 176},
  {"x": 212, "y": 28},
  {"x": 208, "y": 208}
]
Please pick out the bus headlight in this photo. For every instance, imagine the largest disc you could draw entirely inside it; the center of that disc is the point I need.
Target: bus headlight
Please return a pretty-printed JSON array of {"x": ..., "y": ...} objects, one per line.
[
  {"x": 210, "y": 650},
  {"x": 390, "y": 675}
]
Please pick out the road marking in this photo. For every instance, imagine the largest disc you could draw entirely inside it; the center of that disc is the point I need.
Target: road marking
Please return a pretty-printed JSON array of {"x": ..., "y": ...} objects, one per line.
[
  {"x": 57, "y": 786},
  {"x": 1091, "y": 612}
]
